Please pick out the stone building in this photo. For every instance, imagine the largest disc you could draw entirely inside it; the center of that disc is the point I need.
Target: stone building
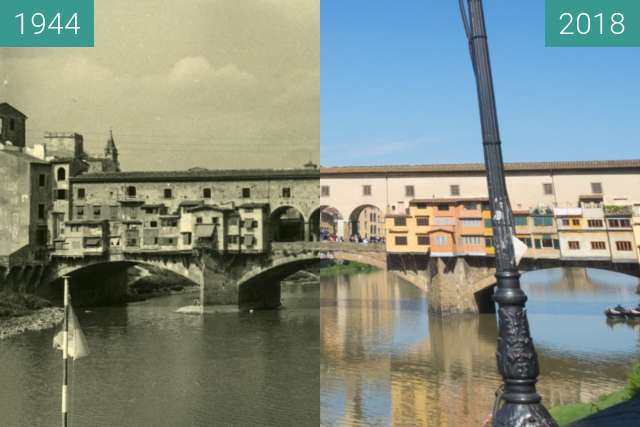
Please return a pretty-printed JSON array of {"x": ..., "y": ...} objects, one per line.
[{"x": 12, "y": 126}]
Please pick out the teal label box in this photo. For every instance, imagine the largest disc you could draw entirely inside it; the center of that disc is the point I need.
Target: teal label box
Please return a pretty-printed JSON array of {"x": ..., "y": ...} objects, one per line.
[
  {"x": 592, "y": 23},
  {"x": 46, "y": 23}
]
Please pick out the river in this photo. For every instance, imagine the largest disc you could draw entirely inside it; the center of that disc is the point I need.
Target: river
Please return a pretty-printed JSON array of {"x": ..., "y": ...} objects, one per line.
[
  {"x": 385, "y": 361},
  {"x": 150, "y": 366}
]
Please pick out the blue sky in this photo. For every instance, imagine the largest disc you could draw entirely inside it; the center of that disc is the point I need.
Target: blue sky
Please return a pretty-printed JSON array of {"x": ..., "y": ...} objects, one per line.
[{"x": 397, "y": 87}]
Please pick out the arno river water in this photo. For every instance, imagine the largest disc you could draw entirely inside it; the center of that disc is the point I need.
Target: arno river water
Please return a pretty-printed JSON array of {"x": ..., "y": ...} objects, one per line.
[
  {"x": 150, "y": 366},
  {"x": 385, "y": 361}
]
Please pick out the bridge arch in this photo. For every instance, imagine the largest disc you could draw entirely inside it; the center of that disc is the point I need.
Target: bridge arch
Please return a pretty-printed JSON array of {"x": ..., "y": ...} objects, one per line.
[
  {"x": 106, "y": 281},
  {"x": 332, "y": 223},
  {"x": 287, "y": 224},
  {"x": 260, "y": 287},
  {"x": 366, "y": 220},
  {"x": 313, "y": 225}
]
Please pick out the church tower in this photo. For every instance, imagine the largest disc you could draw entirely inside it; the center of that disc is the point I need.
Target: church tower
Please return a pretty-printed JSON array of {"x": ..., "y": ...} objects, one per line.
[{"x": 111, "y": 154}]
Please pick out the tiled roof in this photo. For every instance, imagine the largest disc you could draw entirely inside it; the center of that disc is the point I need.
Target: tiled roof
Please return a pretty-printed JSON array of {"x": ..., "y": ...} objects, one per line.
[
  {"x": 479, "y": 167},
  {"x": 449, "y": 200},
  {"x": 199, "y": 175}
]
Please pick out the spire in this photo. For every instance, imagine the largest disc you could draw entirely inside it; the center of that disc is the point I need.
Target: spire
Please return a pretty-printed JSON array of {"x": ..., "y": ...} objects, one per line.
[{"x": 110, "y": 149}]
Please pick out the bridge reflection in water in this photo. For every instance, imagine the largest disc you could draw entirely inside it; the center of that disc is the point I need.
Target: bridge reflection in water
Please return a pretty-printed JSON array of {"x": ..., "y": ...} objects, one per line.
[{"x": 385, "y": 361}]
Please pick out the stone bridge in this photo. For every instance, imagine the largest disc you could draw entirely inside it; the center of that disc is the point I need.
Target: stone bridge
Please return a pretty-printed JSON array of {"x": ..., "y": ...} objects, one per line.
[
  {"x": 249, "y": 280},
  {"x": 459, "y": 284}
]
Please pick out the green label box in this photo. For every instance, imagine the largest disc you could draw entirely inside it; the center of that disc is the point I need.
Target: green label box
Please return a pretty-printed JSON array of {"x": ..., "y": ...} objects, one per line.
[
  {"x": 46, "y": 23},
  {"x": 592, "y": 23}
]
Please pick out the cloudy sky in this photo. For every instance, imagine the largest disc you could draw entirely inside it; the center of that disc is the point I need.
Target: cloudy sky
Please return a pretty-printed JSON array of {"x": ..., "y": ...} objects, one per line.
[{"x": 216, "y": 84}]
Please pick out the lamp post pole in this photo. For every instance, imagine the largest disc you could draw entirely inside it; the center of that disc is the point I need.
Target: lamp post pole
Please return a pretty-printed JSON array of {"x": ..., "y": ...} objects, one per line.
[{"x": 520, "y": 405}]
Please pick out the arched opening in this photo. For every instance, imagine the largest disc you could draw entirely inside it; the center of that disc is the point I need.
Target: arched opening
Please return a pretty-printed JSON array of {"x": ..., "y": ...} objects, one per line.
[
  {"x": 263, "y": 289},
  {"x": 61, "y": 174},
  {"x": 332, "y": 225},
  {"x": 314, "y": 226},
  {"x": 108, "y": 283},
  {"x": 286, "y": 224},
  {"x": 367, "y": 222}
]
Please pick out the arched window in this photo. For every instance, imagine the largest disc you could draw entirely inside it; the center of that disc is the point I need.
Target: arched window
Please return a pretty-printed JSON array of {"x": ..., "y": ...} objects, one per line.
[{"x": 62, "y": 174}]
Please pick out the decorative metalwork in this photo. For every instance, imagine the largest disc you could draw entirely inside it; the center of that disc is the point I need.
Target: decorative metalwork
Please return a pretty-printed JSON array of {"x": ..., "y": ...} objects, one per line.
[{"x": 518, "y": 404}]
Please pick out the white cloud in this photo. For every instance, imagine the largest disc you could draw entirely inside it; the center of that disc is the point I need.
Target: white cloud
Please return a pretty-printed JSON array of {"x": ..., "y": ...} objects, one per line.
[{"x": 198, "y": 70}]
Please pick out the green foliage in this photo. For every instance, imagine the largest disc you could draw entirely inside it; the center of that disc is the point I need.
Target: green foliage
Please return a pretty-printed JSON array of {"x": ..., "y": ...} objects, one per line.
[
  {"x": 633, "y": 382},
  {"x": 567, "y": 414},
  {"x": 346, "y": 268},
  {"x": 13, "y": 304}
]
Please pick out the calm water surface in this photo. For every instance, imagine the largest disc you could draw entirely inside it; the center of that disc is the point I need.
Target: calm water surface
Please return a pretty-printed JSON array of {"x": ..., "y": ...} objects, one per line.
[
  {"x": 384, "y": 361},
  {"x": 150, "y": 366}
]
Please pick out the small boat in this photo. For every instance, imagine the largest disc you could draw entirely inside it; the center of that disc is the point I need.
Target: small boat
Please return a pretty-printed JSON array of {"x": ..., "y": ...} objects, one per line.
[
  {"x": 634, "y": 312},
  {"x": 617, "y": 311}
]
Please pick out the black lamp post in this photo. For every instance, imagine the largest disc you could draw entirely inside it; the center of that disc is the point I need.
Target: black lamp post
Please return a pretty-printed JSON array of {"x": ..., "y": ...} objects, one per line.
[{"x": 520, "y": 405}]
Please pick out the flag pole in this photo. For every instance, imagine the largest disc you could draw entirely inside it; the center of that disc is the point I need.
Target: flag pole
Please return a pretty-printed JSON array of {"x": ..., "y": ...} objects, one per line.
[{"x": 65, "y": 352}]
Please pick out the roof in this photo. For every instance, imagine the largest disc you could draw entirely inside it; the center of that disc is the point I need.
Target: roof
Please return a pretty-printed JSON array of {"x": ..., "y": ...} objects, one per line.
[
  {"x": 585, "y": 165},
  {"x": 199, "y": 175},
  {"x": 8, "y": 108},
  {"x": 208, "y": 208},
  {"x": 15, "y": 151},
  {"x": 190, "y": 203},
  {"x": 253, "y": 205},
  {"x": 449, "y": 200}
]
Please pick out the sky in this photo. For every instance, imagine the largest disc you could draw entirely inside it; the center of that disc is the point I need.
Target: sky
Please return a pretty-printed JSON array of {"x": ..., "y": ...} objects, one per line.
[
  {"x": 397, "y": 87},
  {"x": 217, "y": 84}
]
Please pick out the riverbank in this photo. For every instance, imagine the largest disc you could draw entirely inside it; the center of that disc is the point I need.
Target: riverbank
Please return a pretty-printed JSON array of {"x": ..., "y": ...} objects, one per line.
[
  {"x": 567, "y": 414},
  {"x": 346, "y": 268},
  {"x": 38, "y": 320}
]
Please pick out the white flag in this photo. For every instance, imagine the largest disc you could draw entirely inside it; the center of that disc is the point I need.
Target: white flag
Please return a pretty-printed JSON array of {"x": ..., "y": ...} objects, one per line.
[
  {"x": 77, "y": 347},
  {"x": 519, "y": 248}
]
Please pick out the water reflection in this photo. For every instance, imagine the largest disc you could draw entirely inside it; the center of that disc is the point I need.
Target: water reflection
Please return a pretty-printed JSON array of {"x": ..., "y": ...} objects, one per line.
[{"x": 385, "y": 361}]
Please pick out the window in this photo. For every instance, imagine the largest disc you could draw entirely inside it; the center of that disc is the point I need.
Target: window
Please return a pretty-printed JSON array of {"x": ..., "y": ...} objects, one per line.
[
  {"x": 97, "y": 211},
  {"x": 42, "y": 180},
  {"x": 409, "y": 191},
  {"x": 81, "y": 193},
  {"x": 131, "y": 191},
  {"x": 543, "y": 221},
  {"x": 623, "y": 245},
  {"x": 246, "y": 193},
  {"x": 423, "y": 240},
  {"x": 565, "y": 222},
  {"x": 538, "y": 243},
  {"x": 595, "y": 223},
  {"x": 12, "y": 124},
  {"x": 488, "y": 242},
  {"x": 618, "y": 223},
  {"x": 153, "y": 224},
  {"x": 366, "y": 190},
  {"x": 206, "y": 193},
  {"x": 422, "y": 221},
  {"x": 61, "y": 194},
  {"x": 575, "y": 221},
  {"x": 168, "y": 194},
  {"x": 471, "y": 222},
  {"x": 79, "y": 211},
  {"x": 441, "y": 240},
  {"x": 527, "y": 241},
  {"x": 599, "y": 245},
  {"x": 574, "y": 245},
  {"x": 521, "y": 220},
  {"x": 471, "y": 240},
  {"x": 286, "y": 192},
  {"x": 454, "y": 190},
  {"x": 442, "y": 220},
  {"x": 596, "y": 187},
  {"x": 547, "y": 242},
  {"x": 324, "y": 191},
  {"x": 40, "y": 211},
  {"x": 547, "y": 189},
  {"x": 488, "y": 223},
  {"x": 199, "y": 220},
  {"x": 400, "y": 221},
  {"x": 421, "y": 206},
  {"x": 443, "y": 207},
  {"x": 470, "y": 206},
  {"x": 61, "y": 174},
  {"x": 401, "y": 240},
  {"x": 186, "y": 238}
]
